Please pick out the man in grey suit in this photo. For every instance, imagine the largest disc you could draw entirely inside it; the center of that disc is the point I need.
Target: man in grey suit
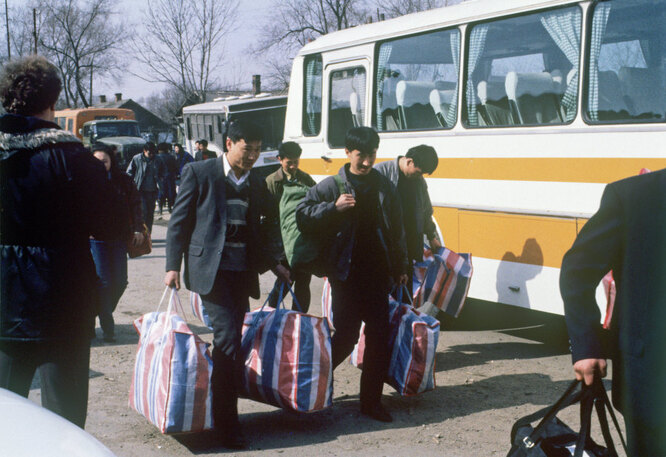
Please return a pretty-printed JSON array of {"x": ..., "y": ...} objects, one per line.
[
  {"x": 216, "y": 226},
  {"x": 627, "y": 235}
]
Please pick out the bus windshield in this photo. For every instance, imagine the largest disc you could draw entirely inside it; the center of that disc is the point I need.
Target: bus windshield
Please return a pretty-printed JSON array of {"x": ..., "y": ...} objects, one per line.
[{"x": 107, "y": 129}]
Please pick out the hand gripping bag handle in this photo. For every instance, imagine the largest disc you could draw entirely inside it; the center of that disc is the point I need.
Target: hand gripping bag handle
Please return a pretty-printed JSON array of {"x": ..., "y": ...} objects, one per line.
[{"x": 174, "y": 299}]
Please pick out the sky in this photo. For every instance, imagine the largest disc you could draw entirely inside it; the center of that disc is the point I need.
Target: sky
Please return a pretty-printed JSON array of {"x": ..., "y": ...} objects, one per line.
[{"x": 251, "y": 17}]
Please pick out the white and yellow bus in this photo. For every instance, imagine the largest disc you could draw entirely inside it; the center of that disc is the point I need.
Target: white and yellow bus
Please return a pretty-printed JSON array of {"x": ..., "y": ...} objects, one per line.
[{"x": 532, "y": 105}]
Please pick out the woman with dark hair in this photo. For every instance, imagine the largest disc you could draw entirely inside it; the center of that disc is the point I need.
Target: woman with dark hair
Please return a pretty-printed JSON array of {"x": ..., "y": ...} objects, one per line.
[
  {"x": 182, "y": 159},
  {"x": 110, "y": 252}
]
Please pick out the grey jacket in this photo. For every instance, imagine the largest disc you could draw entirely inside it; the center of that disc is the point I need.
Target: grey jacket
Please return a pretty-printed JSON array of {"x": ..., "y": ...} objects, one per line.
[
  {"x": 421, "y": 210},
  {"x": 316, "y": 215},
  {"x": 137, "y": 169}
]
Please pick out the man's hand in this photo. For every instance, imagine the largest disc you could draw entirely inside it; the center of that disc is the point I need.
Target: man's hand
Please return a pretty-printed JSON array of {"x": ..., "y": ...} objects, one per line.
[
  {"x": 282, "y": 273},
  {"x": 587, "y": 370},
  {"x": 172, "y": 279},
  {"x": 345, "y": 202},
  {"x": 435, "y": 245},
  {"x": 137, "y": 239}
]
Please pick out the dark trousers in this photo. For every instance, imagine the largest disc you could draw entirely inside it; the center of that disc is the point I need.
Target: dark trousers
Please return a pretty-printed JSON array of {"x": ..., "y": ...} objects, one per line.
[
  {"x": 353, "y": 301},
  {"x": 301, "y": 288},
  {"x": 63, "y": 371},
  {"x": 167, "y": 193},
  {"x": 226, "y": 306},
  {"x": 644, "y": 439},
  {"x": 111, "y": 264},
  {"x": 148, "y": 200}
]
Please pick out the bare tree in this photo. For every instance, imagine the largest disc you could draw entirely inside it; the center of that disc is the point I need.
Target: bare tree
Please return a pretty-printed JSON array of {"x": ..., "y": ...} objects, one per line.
[
  {"x": 167, "y": 105},
  {"x": 395, "y": 8},
  {"x": 82, "y": 41},
  {"x": 183, "y": 43}
]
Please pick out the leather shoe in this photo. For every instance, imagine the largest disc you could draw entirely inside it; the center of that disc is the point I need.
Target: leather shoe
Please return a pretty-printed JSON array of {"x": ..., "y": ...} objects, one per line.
[{"x": 377, "y": 412}]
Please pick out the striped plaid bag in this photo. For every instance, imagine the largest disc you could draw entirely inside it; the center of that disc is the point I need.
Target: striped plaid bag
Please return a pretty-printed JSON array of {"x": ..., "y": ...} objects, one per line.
[
  {"x": 327, "y": 303},
  {"x": 171, "y": 382},
  {"x": 446, "y": 283},
  {"x": 413, "y": 342},
  {"x": 287, "y": 359},
  {"x": 198, "y": 309}
]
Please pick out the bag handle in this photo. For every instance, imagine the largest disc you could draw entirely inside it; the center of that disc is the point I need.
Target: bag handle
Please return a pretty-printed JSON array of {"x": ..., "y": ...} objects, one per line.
[
  {"x": 603, "y": 404},
  {"x": 399, "y": 289}
]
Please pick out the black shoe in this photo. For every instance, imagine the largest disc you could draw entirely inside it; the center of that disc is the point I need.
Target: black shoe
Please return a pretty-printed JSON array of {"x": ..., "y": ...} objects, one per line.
[{"x": 377, "y": 412}]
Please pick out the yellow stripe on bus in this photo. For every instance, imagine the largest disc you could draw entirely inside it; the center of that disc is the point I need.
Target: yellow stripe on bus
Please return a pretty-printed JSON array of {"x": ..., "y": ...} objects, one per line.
[{"x": 579, "y": 170}]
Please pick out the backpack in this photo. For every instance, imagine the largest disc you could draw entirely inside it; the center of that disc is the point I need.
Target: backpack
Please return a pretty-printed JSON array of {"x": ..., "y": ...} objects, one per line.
[{"x": 302, "y": 251}]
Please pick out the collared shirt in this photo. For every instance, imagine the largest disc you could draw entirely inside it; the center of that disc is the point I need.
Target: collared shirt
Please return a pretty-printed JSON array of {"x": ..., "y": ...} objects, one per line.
[{"x": 228, "y": 171}]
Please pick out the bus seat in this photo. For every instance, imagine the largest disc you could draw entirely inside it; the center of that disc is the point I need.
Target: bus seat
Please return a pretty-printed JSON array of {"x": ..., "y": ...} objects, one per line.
[
  {"x": 644, "y": 94},
  {"x": 533, "y": 98},
  {"x": 355, "y": 107},
  {"x": 441, "y": 101},
  {"x": 414, "y": 108},
  {"x": 494, "y": 109},
  {"x": 611, "y": 101}
]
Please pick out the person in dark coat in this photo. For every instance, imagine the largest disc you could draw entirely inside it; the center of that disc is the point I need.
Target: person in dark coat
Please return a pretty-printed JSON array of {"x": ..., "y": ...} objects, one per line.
[
  {"x": 52, "y": 201},
  {"x": 182, "y": 159},
  {"x": 216, "y": 227},
  {"x": 203, "y": 153},
  {"x": 110, "y": 251},
  {"x": 628, "y": 236},
  {"x": 289, "y": 154},
  {"x": 167, "y": 188},
  {"x": 148, "y": 174},
  {"x": 363, "y": 240}
]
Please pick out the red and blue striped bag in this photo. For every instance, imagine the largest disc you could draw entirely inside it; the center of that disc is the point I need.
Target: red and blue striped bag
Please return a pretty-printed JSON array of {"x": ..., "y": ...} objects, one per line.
[
  {"x": 413, "y": 342},
  {"x": 327, "y": 303},
  {"x": 446, "y": 281},
  {"x": 171, "y": 382},
  {"x": 287, "y": 359},
  {"x": 198, "y": 309}
]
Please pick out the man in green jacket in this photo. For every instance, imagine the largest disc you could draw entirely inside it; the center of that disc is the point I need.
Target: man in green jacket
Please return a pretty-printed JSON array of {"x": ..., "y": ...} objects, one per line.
[{"x": 289, "y": 154}]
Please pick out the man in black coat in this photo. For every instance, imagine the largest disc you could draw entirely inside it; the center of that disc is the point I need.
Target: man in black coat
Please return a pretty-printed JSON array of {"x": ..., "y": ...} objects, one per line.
[
  {"x": 52, "y": 199},
  {"x": 216, "y": 227},
  {"x": 627, "y": 235},
  {"x": 357, "y": 217}
]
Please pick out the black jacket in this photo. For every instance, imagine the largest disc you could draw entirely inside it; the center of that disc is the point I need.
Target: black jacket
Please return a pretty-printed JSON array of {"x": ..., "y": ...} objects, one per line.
[
  {"x": 316, "y": 215},
  {"x": 627, "y": 235},
  {"x": 198, "y": 224},
  {"x": 52, "y": 199},
  {"x": 125, "y": 205}
]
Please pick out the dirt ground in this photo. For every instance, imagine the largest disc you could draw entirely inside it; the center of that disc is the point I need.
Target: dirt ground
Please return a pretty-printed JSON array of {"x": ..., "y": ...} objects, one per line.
[{"x": 494, "y": 364}]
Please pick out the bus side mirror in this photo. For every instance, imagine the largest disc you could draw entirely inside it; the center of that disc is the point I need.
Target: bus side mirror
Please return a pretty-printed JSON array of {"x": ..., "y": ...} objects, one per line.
[{"x": 81, "y": 132}]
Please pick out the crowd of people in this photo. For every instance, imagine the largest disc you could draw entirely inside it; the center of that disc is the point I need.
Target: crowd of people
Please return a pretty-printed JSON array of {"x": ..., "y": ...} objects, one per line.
[{"x": 68, "y": 215}]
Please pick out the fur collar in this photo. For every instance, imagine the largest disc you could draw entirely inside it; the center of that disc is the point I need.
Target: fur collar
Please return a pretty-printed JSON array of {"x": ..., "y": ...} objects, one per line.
[{"x": 35, "y": 139}]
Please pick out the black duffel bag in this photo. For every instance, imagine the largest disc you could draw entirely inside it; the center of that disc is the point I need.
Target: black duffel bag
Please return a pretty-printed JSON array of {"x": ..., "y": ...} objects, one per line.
[{"x": 553, "y": 438}]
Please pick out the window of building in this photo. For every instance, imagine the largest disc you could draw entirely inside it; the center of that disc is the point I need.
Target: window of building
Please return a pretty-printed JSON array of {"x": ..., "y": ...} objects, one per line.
[
  {"x": 627, "y": 68},
  {"x": 312, "y": 96},
  {"x": 417, "y": 82},
  {"x": 523, "y": 70},
  {"x": 347, "y": 103}
]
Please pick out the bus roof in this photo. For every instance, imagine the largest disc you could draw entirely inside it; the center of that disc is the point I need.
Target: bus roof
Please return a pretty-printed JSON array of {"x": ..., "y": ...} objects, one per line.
[
  {"x": 465, "y": 12},
  {"x": 237, "y": 104},
  {"x": 70, "y": 111}
]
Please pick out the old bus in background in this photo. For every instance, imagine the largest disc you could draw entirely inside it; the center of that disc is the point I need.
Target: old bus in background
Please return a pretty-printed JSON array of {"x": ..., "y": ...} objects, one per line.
[
  {"x": 73, "y": 119},
  {"x": 532, "y": 105},
  {"x": 209, "y": 121}
]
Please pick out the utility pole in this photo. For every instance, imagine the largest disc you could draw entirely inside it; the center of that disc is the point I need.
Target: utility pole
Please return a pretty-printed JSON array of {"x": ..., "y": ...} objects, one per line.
[
  {"x": 9, "y": 49},
  {"x": 34, "y": 27}
]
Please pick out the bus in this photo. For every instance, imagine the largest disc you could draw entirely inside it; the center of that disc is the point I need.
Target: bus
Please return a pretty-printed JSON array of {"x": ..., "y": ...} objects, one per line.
[
  {"x": 73, "y": 119},
  {"x": 533, "y": 107},
  {"x": 208, "y": 121}
]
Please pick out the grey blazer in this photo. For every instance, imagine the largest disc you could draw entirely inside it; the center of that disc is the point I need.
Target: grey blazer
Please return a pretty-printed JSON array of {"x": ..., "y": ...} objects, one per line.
[{"x": 198, "y": 225}]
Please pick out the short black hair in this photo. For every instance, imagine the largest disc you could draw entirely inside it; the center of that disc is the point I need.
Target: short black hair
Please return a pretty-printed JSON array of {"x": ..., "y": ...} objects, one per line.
[
  {"x": 150, "y": 147},
  {"x": 290, "y": 150},
  {"x": 204, "y": 143},
  {"x": 163, "y": 147},
  {"x": 108, "y": 150},
  {"x": 241, "y": 129},
  {"x": 364, "y": 139},
  {"x": 424, "y": 157}
]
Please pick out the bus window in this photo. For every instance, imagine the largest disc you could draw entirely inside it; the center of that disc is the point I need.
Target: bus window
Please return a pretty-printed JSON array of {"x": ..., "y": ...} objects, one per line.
[
  {"x": 210, "y": 132},
  {"x": 70, "y": 125},
  {"x": 347, "y": 103},
  {"x": 312, "y": 96},
  {"x": 523, "y": 70},
  {"x": 627, "y": 69},
  {"x": 417, "y": 82},
  {"x": 189, "y": 127},
  {"x": 219, "y": 124}
]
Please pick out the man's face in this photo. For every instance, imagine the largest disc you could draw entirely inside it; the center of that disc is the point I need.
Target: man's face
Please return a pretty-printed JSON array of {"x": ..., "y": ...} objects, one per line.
[
  {"x": 241, "y": 154},
  {"x": 149, "y": 153},
  {"x": 201, "y": 147},
  {"x": 411, "y": 171},
  {"x": 360, "y": 163},
  {"x": 289, "y": 165}
]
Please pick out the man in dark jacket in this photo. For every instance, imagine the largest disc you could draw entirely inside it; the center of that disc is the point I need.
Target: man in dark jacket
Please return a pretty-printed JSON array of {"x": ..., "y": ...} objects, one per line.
[
  {"x": 215, "y": 227},
  {"x": 148, "y": 174},
  {"x": 626, "y": 235},
  {"x": 358, "y": 218},
  {"x": 406, "y": 173},
  {"x": 289, "y": 154},
  {"x": 203, "y": 153},
  {"x": 167, "y": 190},
  {"x": 52, "y": 201}
]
